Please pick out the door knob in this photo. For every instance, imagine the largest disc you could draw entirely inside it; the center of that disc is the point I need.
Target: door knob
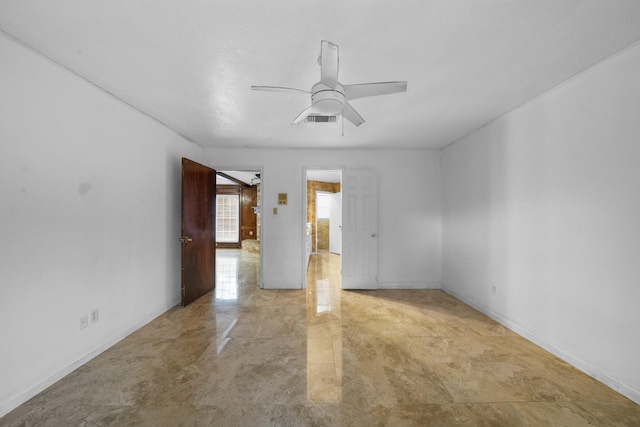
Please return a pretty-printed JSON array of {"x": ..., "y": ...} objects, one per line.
[
  {"x": 185, "y": 239},
  {"x": 373, "y": 235}
]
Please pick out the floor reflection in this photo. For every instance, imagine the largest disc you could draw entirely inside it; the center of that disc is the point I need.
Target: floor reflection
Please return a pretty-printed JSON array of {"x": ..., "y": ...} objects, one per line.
[
  {"x": 226, "y": 277},
  {"x": 322, "y": 296},
  {"x": 324, "y": 334}
]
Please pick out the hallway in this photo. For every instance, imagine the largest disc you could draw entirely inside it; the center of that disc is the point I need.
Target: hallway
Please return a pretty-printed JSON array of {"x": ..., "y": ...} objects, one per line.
[{"x": 242, "y": 356}]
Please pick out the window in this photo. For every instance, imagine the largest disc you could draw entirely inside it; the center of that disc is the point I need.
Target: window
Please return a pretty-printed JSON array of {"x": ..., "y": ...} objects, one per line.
[
  {"x": 227, "y": 218},
  {"x": 323, "y": 205}
]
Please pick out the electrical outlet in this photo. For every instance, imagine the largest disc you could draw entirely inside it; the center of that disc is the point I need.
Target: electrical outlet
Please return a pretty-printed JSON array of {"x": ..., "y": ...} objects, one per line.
[
  {"x": 94, "y": 315},
  {"x": 493, "y": 289},
  {"x": 84, "y": 322}
]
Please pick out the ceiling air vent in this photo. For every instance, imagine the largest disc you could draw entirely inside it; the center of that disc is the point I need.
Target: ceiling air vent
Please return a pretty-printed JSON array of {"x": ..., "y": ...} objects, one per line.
[{"x": 321, "y": 119}]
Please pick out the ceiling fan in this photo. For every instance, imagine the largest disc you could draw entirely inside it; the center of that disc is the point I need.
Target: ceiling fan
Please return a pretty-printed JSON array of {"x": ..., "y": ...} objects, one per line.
[{"x": 330, "y": 98}]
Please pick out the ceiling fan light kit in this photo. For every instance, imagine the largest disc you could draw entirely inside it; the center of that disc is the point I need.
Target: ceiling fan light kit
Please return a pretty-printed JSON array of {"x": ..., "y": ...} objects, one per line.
[
  {"x": 329, "y": 98},
  {"x": 326, "y": 100}
]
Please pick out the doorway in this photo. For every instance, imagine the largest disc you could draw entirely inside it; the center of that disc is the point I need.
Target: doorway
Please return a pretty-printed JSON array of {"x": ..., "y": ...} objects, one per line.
[
  {"x": 328, "y": 222},
  {"x": 323, "y": 214},
  {"x": 239, "y": 220}
]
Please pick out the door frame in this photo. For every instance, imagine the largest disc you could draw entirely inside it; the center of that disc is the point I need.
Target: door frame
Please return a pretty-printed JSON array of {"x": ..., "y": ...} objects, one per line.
[
  {"x": 259, "y": 169},
  {"x": 303, "y": 259}
]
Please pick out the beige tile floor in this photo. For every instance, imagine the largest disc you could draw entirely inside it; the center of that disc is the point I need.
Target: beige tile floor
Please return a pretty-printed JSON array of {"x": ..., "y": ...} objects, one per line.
[{"x": 241, "y": 356}]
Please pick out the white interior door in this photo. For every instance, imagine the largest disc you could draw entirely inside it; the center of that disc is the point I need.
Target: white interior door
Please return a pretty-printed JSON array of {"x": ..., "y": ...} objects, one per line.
[
  {"x": 359, "y": 229},
  {"x": 335, "y": 224}
]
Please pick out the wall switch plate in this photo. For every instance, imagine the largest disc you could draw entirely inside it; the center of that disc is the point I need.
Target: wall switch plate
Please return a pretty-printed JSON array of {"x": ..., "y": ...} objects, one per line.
[
  {"x": 275, "y": 211},
  {"x": 84, "y": 322},
  {"x": 94, "y": 315},
  {"x": 282, "y": 198}
]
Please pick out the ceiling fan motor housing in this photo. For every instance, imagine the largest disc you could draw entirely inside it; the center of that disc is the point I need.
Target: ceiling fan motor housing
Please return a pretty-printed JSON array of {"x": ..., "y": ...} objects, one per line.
[{"x": 326, "y": 100}]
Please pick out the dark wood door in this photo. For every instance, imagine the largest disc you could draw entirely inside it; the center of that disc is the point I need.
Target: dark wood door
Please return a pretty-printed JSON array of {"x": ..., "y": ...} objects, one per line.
[{"x": 198, "y": 230}]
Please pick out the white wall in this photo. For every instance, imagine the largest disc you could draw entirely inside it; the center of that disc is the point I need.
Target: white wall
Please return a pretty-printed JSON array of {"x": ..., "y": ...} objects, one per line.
[
  {"x": 408, "y": 209},
  {"x": 544, "y": 204},
  {"x": 89, "y": 218}
]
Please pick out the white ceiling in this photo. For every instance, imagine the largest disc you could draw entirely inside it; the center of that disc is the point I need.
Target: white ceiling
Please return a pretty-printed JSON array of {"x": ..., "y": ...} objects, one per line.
[{"x": 190, "y": 64}]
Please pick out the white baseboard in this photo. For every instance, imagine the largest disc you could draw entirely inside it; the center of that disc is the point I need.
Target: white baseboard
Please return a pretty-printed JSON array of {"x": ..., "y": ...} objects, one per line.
[
  {"x": 408, "y": 285},
  {"x": 595, "y": 373},
  {"x": 282, "y": 285},
  {"x": 13, "y": 402}
]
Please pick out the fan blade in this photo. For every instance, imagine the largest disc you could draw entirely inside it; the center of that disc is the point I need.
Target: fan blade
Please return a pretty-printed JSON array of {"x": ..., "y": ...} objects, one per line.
[
  {"x": 278, "y": 89},
  {"x": 302, "y": 116},
  {"x": 373, "y": 89},
  {"x": 329, "y": 64},
  {"x": 349, "y": 113}
]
